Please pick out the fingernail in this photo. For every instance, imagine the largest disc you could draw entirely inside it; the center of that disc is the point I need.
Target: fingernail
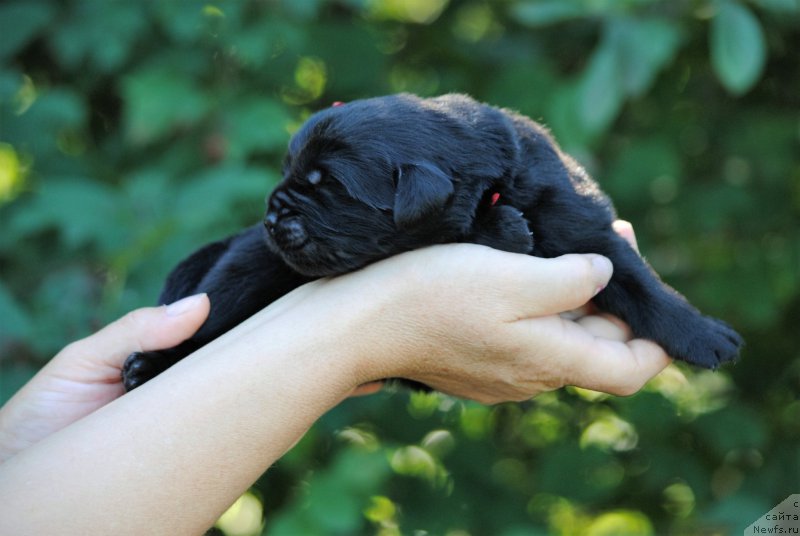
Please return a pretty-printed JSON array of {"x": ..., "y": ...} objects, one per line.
[
  {"x": 622, "y": 227},
  {"x": 598, "y": 290},
  {"x": 603, "y": 269},
  {"x": 184, "y": 305}
]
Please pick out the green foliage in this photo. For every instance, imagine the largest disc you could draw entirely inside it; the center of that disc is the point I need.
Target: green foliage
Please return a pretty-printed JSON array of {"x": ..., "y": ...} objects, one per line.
[
  {"x": 335, "y": 499},
  {"x": 133, "y": 132},
  {"x": 738, "y": 48}
]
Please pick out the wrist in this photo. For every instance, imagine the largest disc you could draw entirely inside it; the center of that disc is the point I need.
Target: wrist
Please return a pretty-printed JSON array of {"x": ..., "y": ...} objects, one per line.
[
  {"x": 348, "y": 326},
  {"x": 303, "y": 344}
]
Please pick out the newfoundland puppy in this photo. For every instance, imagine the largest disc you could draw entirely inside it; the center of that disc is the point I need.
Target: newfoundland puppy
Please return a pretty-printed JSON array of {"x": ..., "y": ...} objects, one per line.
[{"x": 365, "y": 180}]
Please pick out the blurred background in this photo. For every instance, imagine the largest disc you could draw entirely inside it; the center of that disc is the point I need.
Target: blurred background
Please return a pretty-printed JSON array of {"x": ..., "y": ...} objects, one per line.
[{"x": 133, "y": 132}]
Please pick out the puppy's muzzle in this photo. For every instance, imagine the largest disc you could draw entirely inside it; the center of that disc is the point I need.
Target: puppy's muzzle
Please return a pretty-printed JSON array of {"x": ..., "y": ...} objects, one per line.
[{"x": 288, "y": 232}]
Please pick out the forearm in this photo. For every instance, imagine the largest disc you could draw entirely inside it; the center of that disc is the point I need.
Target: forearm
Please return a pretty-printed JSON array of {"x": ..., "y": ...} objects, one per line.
[{"x": 183, "y": 446}]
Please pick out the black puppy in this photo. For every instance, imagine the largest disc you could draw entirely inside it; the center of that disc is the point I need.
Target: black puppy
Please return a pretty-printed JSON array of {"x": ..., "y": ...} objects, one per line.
[{"x": 372, "y": 178}]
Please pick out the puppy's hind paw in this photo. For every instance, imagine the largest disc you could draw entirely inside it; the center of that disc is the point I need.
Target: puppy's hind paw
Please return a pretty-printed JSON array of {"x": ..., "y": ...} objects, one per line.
[{"x": 712, "y": 344}]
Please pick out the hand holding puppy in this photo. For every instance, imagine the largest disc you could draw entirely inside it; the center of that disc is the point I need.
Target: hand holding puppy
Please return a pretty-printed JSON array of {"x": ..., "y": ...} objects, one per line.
[
  {"x": 482, "y": 324},
  {"x": 465, "y": 319}
]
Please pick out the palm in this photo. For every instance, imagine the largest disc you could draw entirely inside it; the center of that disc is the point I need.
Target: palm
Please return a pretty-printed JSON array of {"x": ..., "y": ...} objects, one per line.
[
  {"x": 61, "y": 394},
  {"x": 86, "y": 375}
]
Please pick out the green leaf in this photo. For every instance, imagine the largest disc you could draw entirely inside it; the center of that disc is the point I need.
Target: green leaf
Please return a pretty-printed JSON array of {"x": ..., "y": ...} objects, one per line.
[
  {"x": 16, "y": 323},
  {"x": 422, "y": 405},
  {"x": 475, "y": 421},
  {"x": 514, "y": 83},
  {"x": 737, "y": 511},
  {"x": 563, "y": 117},
  {"x": 10, "y": 82},
  {"x": 537, "y": 14},
  {"x": 733, "y": 427},
  {"x": 336, "y": 497},
  {"x": 303, "y": 9},
  {"x": 345, "y": 74},
  {"x": 255, "y": 124},
  {"x": 82, "y": 211},
  {"x": 52, "y": 114},
  {"x": 64, "y": 305},
  {"x": 56, "y": 110},
  {"x": 646, "y": 47},
  {"x": 620, "y": 523},
  {"x": 184, "y": 21},
  {"x": 98, "y": 32},
  {"x": 13, "y": 376},
  {"x": 600, "y": 89},
  {"x": 630, "y": 177},
  {"x": 599, "y": 473},
  {"x": 20, "y": 22},
  {"x": 210, "y": 198},
  {"x": 738, "y": 47},
  {"x": 380, "y": 509},
  {"x": 625, "y": 63},
  {"x": 668, "y": 462},
  {"x": 414, "y": 461},
  {"x": 780, "y": 7},
  {"x": 158, "y": 101}
]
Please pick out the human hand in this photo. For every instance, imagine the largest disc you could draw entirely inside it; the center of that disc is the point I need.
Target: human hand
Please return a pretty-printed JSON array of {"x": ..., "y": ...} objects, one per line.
[
  {"x": 86, "y": 374},
  {"x": 545, "y": 335},
  {"x": 505, "y": 339},
  {"x": 625, "y": 230},
  {"x": 486, "y": 325}
]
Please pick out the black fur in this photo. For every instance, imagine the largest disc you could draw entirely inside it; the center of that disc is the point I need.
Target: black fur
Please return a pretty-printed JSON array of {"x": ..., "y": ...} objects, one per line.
[{"x": 377, "y": 177}]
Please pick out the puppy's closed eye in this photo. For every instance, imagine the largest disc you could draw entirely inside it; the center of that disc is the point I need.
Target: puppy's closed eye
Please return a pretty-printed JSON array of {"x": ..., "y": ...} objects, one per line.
[
  {"x": 422, "y": 188},
  {"x": 314, "y": 177}
]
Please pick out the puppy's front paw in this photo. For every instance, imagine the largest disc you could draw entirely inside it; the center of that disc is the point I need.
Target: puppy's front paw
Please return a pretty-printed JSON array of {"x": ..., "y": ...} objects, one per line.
[
  {"x": 140, "y": 367},
  {"x": 505, "y": 228},
  {"x": 710, "y": 344}
]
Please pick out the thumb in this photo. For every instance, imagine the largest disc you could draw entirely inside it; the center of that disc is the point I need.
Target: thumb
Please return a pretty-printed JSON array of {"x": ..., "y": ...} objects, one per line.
[
  {"x": 148, "y": 328},
  {"x": 551, "y": 286}
]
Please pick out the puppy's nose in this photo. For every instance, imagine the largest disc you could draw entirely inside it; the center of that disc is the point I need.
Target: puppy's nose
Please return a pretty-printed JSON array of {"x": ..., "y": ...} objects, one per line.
[{"x": 289, "y": 233}]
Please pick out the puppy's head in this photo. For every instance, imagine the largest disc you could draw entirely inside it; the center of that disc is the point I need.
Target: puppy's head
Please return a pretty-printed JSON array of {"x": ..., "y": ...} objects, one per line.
[{"x": 370, "y": 179}]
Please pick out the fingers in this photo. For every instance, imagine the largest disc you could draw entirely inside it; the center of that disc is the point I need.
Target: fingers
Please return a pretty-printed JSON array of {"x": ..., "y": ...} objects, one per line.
[
  {"x": 567, "y": 282},
  {"x": 595, "y": 353},
  {"x": 621, "y": 368},
  {"x": 625, "y": 230},
  {"x": 644, "y": 357},
  {"x": 538, "y": 287},
  {"x": 606, "y": 326},
  {"x": 149, "y": 328},
  {"x": 523, "y": 285}
]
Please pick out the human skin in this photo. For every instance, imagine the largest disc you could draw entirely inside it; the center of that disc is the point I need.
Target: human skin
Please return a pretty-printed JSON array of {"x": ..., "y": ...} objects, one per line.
[{"x": 172, "y": 455}]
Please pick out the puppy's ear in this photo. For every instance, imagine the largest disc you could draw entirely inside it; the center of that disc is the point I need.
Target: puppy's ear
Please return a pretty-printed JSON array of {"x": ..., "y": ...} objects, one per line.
[{"x": 422, "y": 188}]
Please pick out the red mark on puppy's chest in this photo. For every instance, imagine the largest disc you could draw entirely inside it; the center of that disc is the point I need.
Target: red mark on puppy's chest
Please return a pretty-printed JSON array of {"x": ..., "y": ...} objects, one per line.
[{"x": 495, "y": 199}]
